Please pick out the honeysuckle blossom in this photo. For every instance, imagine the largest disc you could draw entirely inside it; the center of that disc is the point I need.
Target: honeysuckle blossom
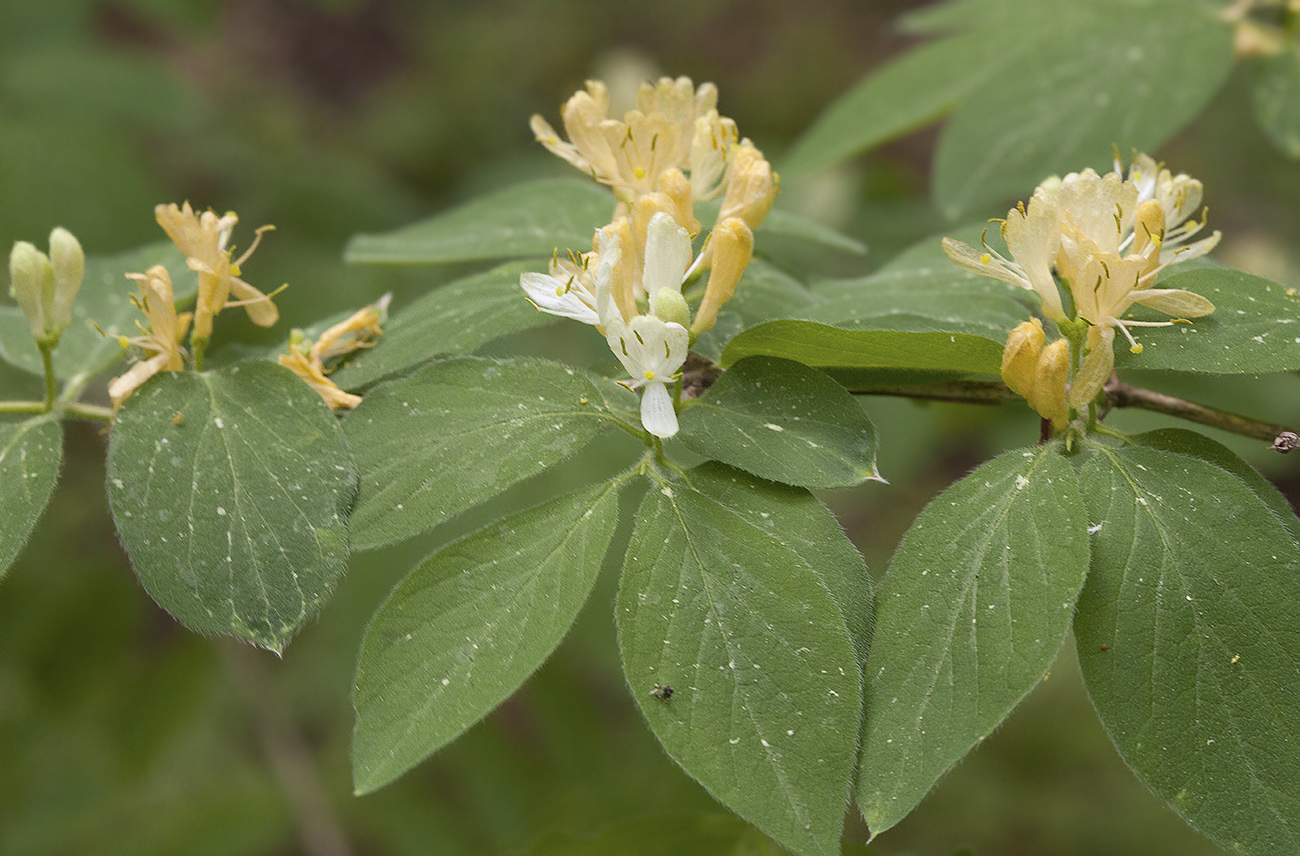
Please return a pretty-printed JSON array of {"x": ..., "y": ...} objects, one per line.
[
  {"x": 307, "y": 359},
  {"x": 572, "y": 289},
  {"x": 161, "y": 339},
  {"x": 203, "y": 238},
  {"x": 652, "y": 346},
  {"x": 1105, "y": 238},
  {"x": 675, "y": 127},
  {"x": 652, "y": 351}
]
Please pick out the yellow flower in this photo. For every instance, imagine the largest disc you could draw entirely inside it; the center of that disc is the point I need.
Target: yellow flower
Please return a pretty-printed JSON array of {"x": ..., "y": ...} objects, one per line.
[
  {"x": 203, "y": 239},
  {"x": 161, "y": 338},
  {"x": 675, "y": 127},
  {"x": 307, "y": 360}
]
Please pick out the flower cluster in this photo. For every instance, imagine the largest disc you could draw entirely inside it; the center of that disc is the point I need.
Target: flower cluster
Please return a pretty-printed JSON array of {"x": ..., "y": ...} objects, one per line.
[
  {"x": 203, "y": 238},
  {"x": 1104, "y": 239},
  {"x": 307, "y": 359},
  {"x": 670, "y": 152}
]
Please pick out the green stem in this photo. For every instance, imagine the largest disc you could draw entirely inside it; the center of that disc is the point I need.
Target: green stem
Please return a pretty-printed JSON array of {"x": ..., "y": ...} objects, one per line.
[
  {"x": 51, "y": 383},
  {"x": 92, "y": 412},
  {"x": 72, "y": 410},
  {"x": 23, "y": 407},
  {"x": 198, "y": 345}
]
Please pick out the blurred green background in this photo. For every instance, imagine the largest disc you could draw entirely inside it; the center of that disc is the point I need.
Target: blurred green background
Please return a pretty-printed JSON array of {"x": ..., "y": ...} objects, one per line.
[{"x": 121, "y": 733}]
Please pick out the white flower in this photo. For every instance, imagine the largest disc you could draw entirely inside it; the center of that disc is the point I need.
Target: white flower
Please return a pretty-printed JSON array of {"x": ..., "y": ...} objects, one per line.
[
  {"x": 571, "y": 290},
  {"x": 652, "y": 351}
]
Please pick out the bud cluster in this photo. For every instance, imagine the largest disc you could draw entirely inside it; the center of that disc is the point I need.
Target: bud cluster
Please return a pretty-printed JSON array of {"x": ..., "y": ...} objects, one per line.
[{"x": 45, "y": 286}]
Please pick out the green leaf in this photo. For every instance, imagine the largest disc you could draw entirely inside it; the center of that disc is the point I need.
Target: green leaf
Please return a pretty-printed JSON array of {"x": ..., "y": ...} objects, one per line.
[
  {"x": 783, "y": 421},
  {"x": 921, "y": 290},
  {"x": 1277, "y": 98},
  {"x": 907, "y": 94},
  {"x": 970, "y": 615},
  {"x": 1254, "y": 329},
  {"x": 467, "y": 627},
  {"x": 230, "y": 490},
  {"x": 765, "y": 292},
  {"x": 456, "y": 433},
  {"x": 835, "y": 348},
  {"x": 532, "y": 219},
  {"x": 30, "y": 454},
  {"x": 1133, "y": 86},
  {"x": 1187, "y": 639},
  {"x": 1199, "y": 446},
  {"x": 104, "y": 299},
  {"x": 453, "y": 319},
  {"x": 788, "y": 224},
  {"x": 727, "y": 598}
]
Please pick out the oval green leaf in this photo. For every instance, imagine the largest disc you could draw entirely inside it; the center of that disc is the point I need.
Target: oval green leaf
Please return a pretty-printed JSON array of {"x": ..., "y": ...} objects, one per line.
[
  {"x": 731, "y": 595},
  {"x": 30, "y": 454},
  {"x": 1187, "y": 639},
  {"x": 783, "y": 421},
  {"x": 532, "y": 219},
  {"x": 1133, "y": 86},
  {"x": 765, "y": 292},
  {"x": 230, "y": 490},
  {"x": 835, "y": 348},
  {"x": 467, "y": 627},
  {"x": 458, "y": 432},
  {"x": 976, "y": 603},
  {"x": 1254, "y": 329}
]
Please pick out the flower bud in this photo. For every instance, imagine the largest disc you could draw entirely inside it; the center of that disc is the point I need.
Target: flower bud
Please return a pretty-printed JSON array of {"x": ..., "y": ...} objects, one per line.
[
  {"x": 732, "y": 245},
  {"x": 669, "y": 305},
  {"x": 31, "y": 282},
  {"x": 751, "y": 186},
  {"x": 1020, "y": 357},
  {"x": 1050, "y": 376},
  {"x": 69, "y": 266},
  {"x": 677, "y": 188}
]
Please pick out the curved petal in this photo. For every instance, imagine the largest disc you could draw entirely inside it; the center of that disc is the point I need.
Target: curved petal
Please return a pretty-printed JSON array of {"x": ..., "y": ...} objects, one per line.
[
  {"x": 657, "y": 413},
  {"x": 1094, "y": 372},
  {"x": 667, "y": 254},
  {"x": 1175, "y": 302},
  {"x": 557, "y": 297}
]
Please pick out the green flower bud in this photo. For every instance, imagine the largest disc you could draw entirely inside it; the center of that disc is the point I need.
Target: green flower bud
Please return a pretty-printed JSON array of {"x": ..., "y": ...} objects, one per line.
[
  {"x": 671, "y": 306},
  {"x": 69, "y": 265},
  {"x": 31, "y": 282}
]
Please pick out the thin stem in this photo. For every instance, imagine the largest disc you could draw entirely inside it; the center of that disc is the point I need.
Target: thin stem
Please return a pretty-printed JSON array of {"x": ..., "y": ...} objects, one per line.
[
  {"x": 73, "y": 410},
  {"x": 959, "y": 392},
  {"x": 1120, "y": 394},
  {"x": 1117, "y": 394},
  {"x": 93, "y": 412},
  {"x": 198, "y": 346},
  {"x": 23, "y": 407},
  {"x": 51, "y": 383}
]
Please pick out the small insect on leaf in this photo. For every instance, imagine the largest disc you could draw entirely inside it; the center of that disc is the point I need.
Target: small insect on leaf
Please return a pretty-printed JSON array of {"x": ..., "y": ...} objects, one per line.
[
  {"x": 663, "y": 693},
  {"x": 178, "y": 418}
]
